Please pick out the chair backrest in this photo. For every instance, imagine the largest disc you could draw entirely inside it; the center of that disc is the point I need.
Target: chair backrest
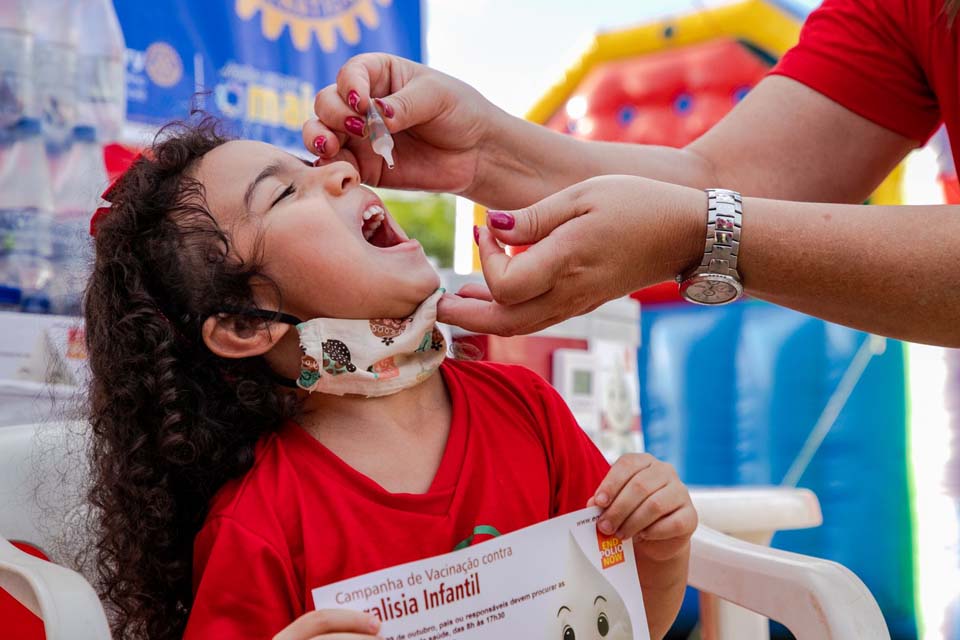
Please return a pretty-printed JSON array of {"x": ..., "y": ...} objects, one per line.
[
  {"x": 62, "y": 598},
  {"x": 42, "y": 472}
]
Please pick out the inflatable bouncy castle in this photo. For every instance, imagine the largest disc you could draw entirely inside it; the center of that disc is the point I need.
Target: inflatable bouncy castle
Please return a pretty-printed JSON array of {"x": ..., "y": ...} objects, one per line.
[{"x": 750, "y": 393}]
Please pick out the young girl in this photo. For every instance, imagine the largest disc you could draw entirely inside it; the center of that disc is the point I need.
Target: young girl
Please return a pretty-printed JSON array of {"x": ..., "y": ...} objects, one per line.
[{"x": 272, "y": 410}]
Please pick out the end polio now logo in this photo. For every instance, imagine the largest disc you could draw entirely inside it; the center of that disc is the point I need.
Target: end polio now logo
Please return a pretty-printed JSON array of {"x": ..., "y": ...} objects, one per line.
[
  {"x": 307, "y": 19},
  {"x": 611, "y": 550}
]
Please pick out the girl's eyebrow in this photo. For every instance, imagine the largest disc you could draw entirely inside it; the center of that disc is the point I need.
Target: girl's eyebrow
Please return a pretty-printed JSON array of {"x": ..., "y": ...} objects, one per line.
[{"x": 269, "y": 171}]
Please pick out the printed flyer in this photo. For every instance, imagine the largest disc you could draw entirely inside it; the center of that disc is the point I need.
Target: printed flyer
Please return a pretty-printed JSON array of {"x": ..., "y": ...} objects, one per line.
[{"x": 558, "y": 580}]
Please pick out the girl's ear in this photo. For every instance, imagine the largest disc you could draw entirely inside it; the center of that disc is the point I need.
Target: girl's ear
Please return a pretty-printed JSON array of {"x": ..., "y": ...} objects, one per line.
[{"x": 231, "y": 336}]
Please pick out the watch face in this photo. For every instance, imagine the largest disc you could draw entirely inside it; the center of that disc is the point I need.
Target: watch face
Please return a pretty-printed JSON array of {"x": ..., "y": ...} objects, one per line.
[{"x": 711, "y": 291}]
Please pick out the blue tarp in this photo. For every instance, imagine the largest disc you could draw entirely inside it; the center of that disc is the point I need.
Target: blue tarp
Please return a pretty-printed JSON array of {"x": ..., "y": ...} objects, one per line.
[{"x": 730, "y": 394}]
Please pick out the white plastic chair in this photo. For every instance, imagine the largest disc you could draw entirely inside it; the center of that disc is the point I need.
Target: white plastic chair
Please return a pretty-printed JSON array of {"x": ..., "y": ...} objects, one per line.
[
  {"x": 752, "y": 514},
  {"x": 29, "y": 467},
  {"x": 62, "y": 598},
  {"x": 815, "y": 599}
]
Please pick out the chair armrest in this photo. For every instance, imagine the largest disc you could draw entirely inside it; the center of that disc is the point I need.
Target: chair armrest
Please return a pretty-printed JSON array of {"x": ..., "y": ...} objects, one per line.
[
  {"x": 66, "y": 602},
  {"x": 815, "y": 599},
  {"x": 752, "y": 511}
]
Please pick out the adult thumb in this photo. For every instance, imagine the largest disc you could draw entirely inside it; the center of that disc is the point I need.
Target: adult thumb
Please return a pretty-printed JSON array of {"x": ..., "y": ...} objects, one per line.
[
  {"x": 411, "y": 105},
  {"x": 534, "y": 223}
]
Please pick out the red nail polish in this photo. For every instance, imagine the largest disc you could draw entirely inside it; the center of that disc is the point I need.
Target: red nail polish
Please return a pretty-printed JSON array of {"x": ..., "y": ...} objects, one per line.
[
  {"x": 353, "y": 99},
  {"x": 476, "y": 234},
  {"x": 319, "y": 143},
  {"x": 501, "y": 220},
  {"x": 354, "y": 125},
  {"x": 385, "y": 108}
]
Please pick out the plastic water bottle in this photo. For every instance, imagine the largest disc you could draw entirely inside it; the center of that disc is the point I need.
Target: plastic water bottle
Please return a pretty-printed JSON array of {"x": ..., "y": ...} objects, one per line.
[
  {"x": 10, "y": 293},
  {"x": 101, "y": 79},
  {"x": 16, "y": 60},
  {"x": 26, "y": 207},
  {"x": 75, "y": 196},
  {"x": 54, "y": 72},
  {"x": 9, "y": 298}
]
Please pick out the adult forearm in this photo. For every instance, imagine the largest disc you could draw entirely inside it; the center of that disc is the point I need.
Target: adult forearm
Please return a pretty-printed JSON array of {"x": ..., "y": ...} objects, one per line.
[
  {"x": 784, "y": 140},
  {"x": 524, "y": 162},
  {"x": 887, "y": 270},
  {"x": 663, "y": 585}
]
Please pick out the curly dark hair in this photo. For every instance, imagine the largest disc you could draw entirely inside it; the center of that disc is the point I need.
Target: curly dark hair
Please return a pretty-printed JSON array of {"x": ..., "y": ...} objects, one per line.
[{"x": 171, "y": 422}]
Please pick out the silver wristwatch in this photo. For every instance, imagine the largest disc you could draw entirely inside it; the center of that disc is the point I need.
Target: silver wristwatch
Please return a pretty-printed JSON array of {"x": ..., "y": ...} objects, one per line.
[{"x": 716, "y": 280}]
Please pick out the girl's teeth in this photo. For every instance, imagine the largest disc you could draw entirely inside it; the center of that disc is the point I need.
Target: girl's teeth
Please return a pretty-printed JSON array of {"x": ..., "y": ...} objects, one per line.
[
  {"x": 373, "y": 217},
  {"x": 372, "y": 211}
]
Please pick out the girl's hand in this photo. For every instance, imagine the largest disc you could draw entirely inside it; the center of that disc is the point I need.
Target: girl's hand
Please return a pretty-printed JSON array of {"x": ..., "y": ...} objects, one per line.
[
  {"x": 331, "y": 624},
  {"x": 642, "y": 498},
  {"x": 439, "y": 124},
  {"x": 599, "y": 239}
]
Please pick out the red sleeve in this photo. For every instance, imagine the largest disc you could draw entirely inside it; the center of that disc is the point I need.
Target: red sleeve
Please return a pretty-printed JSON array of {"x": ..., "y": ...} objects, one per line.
[
  {"x": 862, "y": 54},
  {"x": 576, "y": 465},
  {"x": 244, "y": 587}
]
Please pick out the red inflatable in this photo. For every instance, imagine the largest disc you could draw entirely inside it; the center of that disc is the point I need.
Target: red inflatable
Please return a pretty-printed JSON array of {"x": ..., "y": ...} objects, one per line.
[{"x": 668, "y": 98}]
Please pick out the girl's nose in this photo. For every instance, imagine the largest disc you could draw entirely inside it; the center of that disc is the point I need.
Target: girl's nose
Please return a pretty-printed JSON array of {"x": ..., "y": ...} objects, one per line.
[{"x": 339, "y": 177}]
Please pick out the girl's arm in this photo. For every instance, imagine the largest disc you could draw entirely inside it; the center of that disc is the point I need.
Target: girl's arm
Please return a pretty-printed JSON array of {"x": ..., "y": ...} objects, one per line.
[
  {"x": 664, "y": 583},
  {"x": 643, "y": 499}
]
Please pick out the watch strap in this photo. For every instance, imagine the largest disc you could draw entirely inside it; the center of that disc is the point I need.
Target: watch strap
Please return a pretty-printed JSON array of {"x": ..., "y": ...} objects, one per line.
[{"x": 724, "y": 218}]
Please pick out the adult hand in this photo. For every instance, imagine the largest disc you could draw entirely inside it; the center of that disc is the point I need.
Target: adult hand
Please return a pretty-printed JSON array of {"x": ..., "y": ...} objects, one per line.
[
  {"x": 440, "y": 126},
  {"x": 331, "y": 624},
  {"x": 595, "y": 241}
]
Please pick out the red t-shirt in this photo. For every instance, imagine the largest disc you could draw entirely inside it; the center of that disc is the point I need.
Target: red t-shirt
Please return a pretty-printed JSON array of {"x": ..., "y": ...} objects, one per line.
[
  {"x": 302, "y": 518},
  {"x": 894, "y": 62}
]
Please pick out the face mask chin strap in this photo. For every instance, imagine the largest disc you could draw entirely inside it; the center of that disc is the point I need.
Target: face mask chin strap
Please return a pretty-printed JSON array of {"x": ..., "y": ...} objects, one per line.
[
  {"x": 265, "y": 314},
  {"x": 284, "y": 382},
  {"x": 272, "y": 316}
]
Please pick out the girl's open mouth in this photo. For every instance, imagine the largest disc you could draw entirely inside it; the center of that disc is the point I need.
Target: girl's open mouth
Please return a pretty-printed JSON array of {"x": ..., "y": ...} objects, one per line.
[{"x": 379, "y": 229}]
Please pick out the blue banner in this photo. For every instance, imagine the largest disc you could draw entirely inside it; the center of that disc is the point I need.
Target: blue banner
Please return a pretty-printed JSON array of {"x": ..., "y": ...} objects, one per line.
[{"x": 255, "y": 63}]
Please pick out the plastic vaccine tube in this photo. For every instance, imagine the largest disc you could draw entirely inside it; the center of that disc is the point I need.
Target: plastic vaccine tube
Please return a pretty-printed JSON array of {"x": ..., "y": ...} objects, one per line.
[{"x": 380, "y": 137}]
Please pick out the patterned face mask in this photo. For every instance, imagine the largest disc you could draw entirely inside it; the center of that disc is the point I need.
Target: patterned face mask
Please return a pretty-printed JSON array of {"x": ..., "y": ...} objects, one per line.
[{"x": 369, "y": 357}]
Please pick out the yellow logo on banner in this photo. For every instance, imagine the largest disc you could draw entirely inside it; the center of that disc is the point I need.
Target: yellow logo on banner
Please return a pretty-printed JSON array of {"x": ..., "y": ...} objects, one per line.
[{"x": 306, "y": 18}]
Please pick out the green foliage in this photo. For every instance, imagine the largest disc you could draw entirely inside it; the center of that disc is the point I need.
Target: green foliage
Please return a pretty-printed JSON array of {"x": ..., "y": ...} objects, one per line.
[{"x": 427, "y": 217}]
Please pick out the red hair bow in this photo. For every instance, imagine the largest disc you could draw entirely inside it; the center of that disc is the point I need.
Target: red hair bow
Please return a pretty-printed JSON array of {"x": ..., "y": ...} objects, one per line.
[
  {"x": 108, "y": 196},
  {"x": 95, "y": 219}
]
